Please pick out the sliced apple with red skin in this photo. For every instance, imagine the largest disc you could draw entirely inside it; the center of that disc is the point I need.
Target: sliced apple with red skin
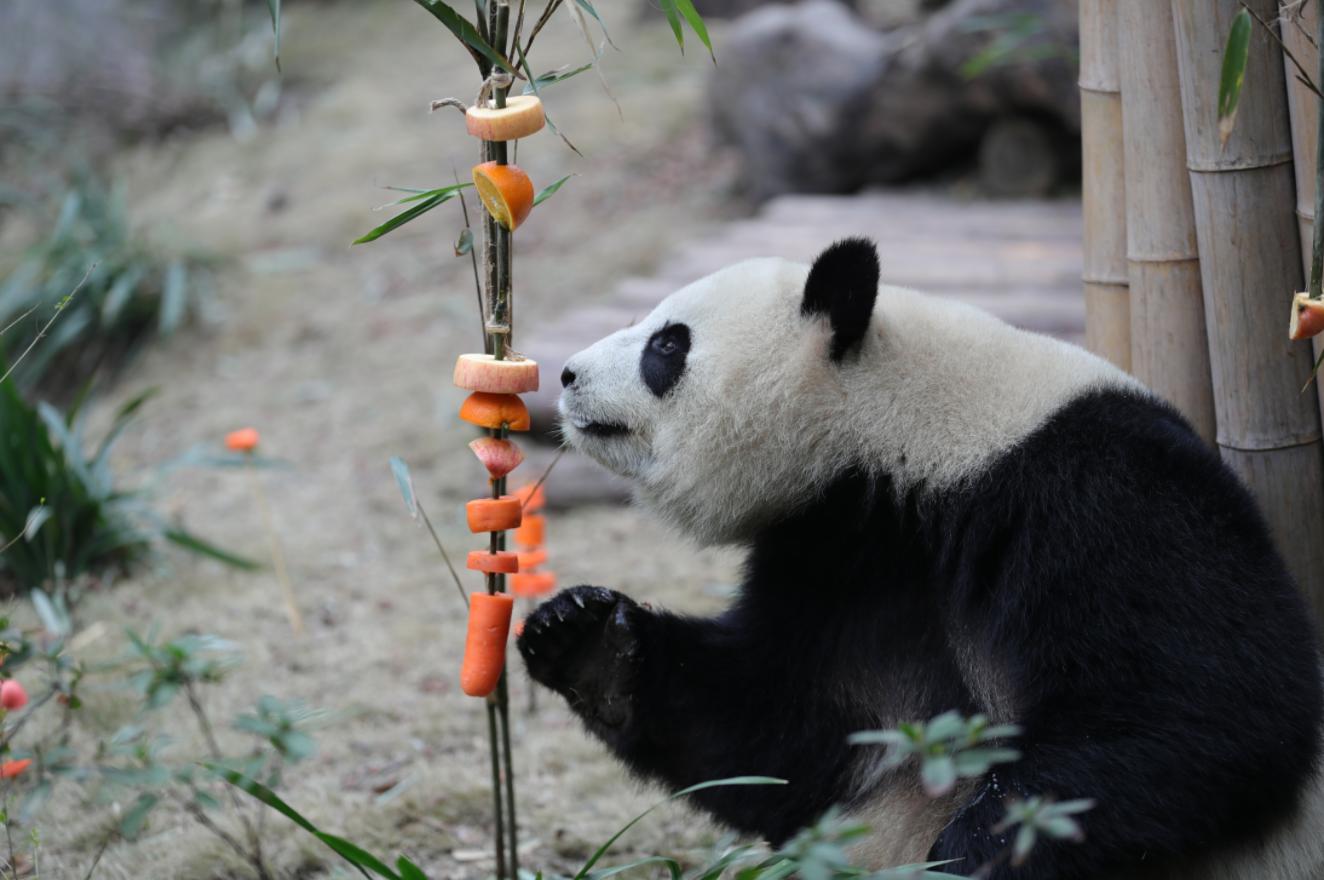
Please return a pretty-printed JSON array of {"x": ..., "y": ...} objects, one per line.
[
  {"x": 482, "y": 372},
  {"x": 500, "y": 457},
  {"x": 1307, "y": 317},
  {"x": 522, "y": 116}
]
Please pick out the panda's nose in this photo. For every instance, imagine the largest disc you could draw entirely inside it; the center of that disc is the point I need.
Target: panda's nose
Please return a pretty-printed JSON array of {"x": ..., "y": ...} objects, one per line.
[{"x": 567, "y": 377}]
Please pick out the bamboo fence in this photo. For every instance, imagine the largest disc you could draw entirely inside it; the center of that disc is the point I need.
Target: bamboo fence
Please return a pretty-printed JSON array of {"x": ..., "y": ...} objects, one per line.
[
  {"x": 1107, "y": 303},
  {"x": 1169, "y": 347},
  {"x": 1250, "y": 263}
]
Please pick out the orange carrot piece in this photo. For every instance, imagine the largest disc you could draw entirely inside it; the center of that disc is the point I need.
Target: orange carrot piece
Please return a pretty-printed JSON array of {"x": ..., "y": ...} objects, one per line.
[
  {"x": 518, "y": 628},
  {"x": 501, "y": 562},
  {"x": 485, "y": 642},
  {"x": 532, "y": 501},
  {"x": 529, "y": 585},
  {"x": 494, "y": 410},
  {"x": 532, "y": 558},
  {"x": 493, "y": 514},
  {"x": 531, "y": 531}
]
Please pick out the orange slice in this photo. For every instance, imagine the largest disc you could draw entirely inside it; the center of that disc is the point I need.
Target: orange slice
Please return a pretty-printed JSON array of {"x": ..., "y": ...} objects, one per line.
[
  {"x": 505, "y": 191},
  {"x": 494, "y": 410},
  {"x": 521, "y": 117}
]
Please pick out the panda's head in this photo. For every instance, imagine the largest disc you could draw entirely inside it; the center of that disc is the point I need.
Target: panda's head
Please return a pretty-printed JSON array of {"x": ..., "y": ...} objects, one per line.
[{"x": 721, "y": 405}]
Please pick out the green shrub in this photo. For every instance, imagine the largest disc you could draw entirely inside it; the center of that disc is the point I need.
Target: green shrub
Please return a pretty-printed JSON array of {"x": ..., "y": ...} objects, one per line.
[
  {"x": 128, "y": 294},
  {"x": 61, "y": 513}
]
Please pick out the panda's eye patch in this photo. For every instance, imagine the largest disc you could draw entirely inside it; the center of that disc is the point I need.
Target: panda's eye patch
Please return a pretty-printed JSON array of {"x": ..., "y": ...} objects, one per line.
[{"x": 663, "y": 360}]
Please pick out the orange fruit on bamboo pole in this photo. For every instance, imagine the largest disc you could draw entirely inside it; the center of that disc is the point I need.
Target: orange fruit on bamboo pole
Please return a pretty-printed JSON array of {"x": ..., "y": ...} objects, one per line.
[
  {"x": 531, "y": 531},
  {"x": 493, "y": 514},
  {"x": 482, "y": 372},
  {"x": 485, "y": 642},
  {"x": 500, "y": 562},
  {"x": 1307, "y": 317},
  {"x": 521, "y": 117},
  {"x": 494, "y": 410},
  {"x": 243, "y": 440},
  {"x": 530, "y": 585},
  {"x": 505, "y": 191}
]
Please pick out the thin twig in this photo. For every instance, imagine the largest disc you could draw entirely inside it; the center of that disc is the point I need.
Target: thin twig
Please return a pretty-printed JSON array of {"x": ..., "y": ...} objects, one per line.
[
  {"x": 14, "y": 323},
  {"x": 1305, "y": 76},
  {"x": 473, "y": 260},
  {"x": 101, "y": 851},
  {"x": 1317, "y": 239},
  {"x": 545, "y": 474},
  {"x": 552, "y": 6},
  {"x": 59, "y": 310},
  {"x": 444, "y": 555},
  {"x": 499, "y": 835}
]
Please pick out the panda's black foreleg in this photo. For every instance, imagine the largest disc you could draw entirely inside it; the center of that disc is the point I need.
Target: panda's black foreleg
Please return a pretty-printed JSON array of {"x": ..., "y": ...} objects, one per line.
[{"x": 682, "y": 700}]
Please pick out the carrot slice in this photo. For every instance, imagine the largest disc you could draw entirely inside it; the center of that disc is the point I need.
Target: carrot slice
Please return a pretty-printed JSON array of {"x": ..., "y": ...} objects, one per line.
[
  {"x": 532, "y": 500},
  {"x": 532, "y": 558},
  {"x": 500, "y": 562},
  {"x": 485, "y": 642},
  {"x": 494, "y": 410},
  {"x": 500, "y": 457},
  {"x": 529, "y": 585},
  {"x": 531, "y": 531},
  {"x": 493, "y": 514},
  {"x": 482, "y": 372}
]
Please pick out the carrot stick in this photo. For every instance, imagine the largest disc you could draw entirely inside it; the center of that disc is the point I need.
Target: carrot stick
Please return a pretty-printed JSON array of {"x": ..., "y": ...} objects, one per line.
[
  {"x": 493, "y": 514},
  {"x": 485, "y": 642},
  {"x": 500, "y": 562}
]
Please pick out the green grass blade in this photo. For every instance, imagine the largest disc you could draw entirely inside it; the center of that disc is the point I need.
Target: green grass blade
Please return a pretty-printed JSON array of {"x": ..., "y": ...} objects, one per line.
[
  {"x": 193, "y": 543},
  {"x": 402, "y": 218},
  {"x": 465, "y": 32},
  {"x": 713, "y": 783},
  {"x": 1233, "y": 75},
  {"x": 673, "y": 19}
]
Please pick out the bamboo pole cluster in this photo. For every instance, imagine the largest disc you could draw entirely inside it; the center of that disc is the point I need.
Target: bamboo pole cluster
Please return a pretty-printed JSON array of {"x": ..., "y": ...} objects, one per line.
[{"x": 1192, "y": 246}]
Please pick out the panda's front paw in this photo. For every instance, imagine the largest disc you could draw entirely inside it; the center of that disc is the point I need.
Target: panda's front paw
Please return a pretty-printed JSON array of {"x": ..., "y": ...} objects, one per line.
[{"x": 584, "y": 644}]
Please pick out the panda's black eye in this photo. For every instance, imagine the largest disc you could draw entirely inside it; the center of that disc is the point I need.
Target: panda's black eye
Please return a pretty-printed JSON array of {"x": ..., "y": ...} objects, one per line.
[{"x": 664, "y": 356}]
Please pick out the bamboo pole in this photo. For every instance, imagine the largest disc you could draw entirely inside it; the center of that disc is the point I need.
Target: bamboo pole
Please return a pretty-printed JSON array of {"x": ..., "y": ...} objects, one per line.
[
  {"x": 1250, "y": 261},
  {"x": 1169, "y": 346},
  {"x": 1299, "y": 22},
  {"x": 1107, "y": 305}
]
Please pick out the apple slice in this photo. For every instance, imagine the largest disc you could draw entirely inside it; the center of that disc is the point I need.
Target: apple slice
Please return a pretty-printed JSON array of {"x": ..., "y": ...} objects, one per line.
[
  {"x": 1307, "y": 317},
  {"x": 521, "y": 117},
  {"x": 482, "y": 372},
  {"x": 500, "y": 457}
]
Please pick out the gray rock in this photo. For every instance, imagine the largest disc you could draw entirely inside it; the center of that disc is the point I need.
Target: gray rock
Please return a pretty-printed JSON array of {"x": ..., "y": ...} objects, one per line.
[{"x": 815, "y": 101}]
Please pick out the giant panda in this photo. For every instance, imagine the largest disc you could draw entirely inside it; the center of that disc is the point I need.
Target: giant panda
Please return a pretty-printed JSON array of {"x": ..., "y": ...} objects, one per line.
[{"x": 941, "y": 512}]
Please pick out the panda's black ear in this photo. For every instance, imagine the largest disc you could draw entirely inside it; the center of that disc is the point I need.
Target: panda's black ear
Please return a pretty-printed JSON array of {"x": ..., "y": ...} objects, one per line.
[{"x": 843, "y": 285}]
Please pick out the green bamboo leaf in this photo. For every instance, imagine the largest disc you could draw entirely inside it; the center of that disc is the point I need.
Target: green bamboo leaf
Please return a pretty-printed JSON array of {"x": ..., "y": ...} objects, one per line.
[
  {"x": 552, "y": 77},
  {"x": 418, "y": 195},
  {"x": 273, "y": 6},
  {"x": 673, "y": 19},
  {"x": 550, "y": 190},
  {"x": 533, "y": 83},
  {"x": 588, "y": 7},
  {"x": 403, "y": 217},
  {"x": 692, "y": 15},
  {"x": 465, "y": 32},
  {"x": 1233, "y": 74},
  {"x": 408, "y": 870},
  {"x": 192, "y": 542},
  {"x": 406, "y": 484}
]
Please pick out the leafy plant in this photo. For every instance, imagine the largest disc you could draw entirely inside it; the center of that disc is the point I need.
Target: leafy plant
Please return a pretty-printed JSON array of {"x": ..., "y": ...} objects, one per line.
[
  {"x": 62, "y": 514},
  {"x": 949, "y": 747},
  {"x": 129, "y": 292}
]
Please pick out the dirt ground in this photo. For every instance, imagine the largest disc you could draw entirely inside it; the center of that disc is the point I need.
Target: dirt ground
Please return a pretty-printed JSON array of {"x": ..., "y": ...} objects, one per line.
[{"x": 341, "y": 357}]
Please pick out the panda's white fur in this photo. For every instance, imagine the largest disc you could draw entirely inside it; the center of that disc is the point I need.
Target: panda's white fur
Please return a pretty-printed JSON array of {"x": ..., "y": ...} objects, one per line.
[
  {"x": 761, "y": 422},
  {"x": 934, "y": 372}
]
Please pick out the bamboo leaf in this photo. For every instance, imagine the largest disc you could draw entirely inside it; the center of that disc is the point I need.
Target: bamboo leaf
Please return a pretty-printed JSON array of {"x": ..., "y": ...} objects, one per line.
[
  {"x": 418, "y": 195},
  {"x": 524, "y": 63},
  {"x": 406, "y": 484},
  {"x": 465, "y": 32},
  {"x": 273, "y": 6},
  {"x": 673, "y": 19},
  {"x": 192, "y": 542},
  {"x": 465, "y": 243},
  {"x": 550, "y": 190},
  {"x": 692, "y": 15},
  {"x": 552, "y": 77},
  {"x": 1233, "y": 75},
  {"x": 588, "y": 7},
  {"x": 402, "y": 218}
]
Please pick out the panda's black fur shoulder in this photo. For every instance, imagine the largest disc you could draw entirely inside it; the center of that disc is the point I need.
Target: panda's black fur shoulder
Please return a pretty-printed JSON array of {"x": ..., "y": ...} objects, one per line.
[{"x": 1118, "y": 577}]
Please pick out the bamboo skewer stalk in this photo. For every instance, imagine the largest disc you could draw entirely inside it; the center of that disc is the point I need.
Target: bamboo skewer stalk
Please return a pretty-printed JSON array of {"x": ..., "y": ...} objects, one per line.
[
  {"x": 1169, "y": 346},
  {"x": 1268, "y": 432},
  {"x": 1105, "y": 277}
]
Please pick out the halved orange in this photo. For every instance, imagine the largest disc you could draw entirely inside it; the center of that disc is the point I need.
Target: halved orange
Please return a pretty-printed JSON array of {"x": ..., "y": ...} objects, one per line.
[
  {"x": 506, "y": 192},
  {"x": 494, "y": 410}
]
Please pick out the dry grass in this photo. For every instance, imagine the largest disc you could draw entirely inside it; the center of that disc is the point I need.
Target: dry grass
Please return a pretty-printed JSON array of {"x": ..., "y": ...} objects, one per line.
[{"x": 342, "y": 357}]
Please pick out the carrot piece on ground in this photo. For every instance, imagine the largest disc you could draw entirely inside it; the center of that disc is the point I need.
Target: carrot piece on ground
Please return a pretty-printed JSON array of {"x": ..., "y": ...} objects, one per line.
[
  {"x": 485, "y": 642},
  {"x": 482, "y": 372},
  {"x": 528, "y": 585},
  {"x": 501, "y": 562},
  {"x": 532, "y": 501},
  {"x": 531, "y": 531},
  {"x": 532, "y": 558},
  {"x": 500, "y": 457},
  {"x": 493, "y": 514},
  {"x": 494, "y": 410}
]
